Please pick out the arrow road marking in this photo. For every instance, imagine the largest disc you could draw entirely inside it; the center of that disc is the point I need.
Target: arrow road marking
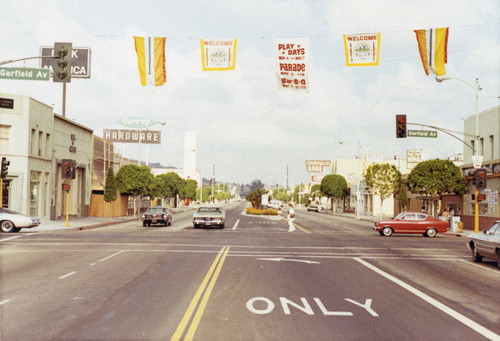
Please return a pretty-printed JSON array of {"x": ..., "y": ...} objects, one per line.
[{"x": 290, "y": 260}]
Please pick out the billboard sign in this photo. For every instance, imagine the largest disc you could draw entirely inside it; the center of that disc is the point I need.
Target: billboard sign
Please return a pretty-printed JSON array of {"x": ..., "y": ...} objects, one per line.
[
  {"x": 80, "y": 60},
  {"x": 316, "y": 166},
  {"x": 132, "y": 136},
  {"x": 316, "y": 178},
  {"x": 136, "y": 122}
]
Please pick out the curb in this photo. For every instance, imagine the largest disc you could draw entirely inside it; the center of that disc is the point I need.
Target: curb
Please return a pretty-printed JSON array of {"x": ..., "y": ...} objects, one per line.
[{"x": 94, "y": 226}]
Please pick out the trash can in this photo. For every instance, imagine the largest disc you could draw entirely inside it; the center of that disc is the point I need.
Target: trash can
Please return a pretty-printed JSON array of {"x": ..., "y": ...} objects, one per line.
[{"x": 454, "y": 223}]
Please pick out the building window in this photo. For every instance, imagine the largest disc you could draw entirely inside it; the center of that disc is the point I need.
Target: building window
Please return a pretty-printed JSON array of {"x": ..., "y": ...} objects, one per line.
[
  {"x": 33, "y": 149},
  {"x": 473, "y": 145},
  {"x": 47, "y": 146},
  {"x": 492, "y": 149},
  {"x": 34, "y": 193},
  {"x": 4, "y": 137},
  {"x": 40, "y": 143},
  {"x": 481, "y": 146}
]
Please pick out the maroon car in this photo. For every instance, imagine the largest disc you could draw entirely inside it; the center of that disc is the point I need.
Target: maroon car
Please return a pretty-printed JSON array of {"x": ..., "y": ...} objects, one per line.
[{"x": 411, "y": 222}]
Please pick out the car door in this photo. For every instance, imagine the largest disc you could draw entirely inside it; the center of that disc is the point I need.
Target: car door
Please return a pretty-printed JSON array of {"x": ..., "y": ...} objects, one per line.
[
  {"x": 486, "y": 246},
  {"x": 408, "y": 224}
]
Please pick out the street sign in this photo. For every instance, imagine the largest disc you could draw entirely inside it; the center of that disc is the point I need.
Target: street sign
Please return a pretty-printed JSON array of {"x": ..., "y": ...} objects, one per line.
[
  {"x": 80, "y": 61},
  {"x": 24, "y": 74},
  {"x": 477, "y": 160},
  {"x": 65, "y": 187},
  {"x": 422, "y": 133}
]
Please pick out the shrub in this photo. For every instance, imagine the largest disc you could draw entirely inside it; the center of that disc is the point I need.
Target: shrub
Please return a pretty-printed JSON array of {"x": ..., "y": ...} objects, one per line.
[{"x": 256, "y": 211}]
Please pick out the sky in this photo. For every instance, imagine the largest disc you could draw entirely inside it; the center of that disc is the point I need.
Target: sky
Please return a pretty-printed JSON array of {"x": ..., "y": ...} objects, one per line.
[{"x": 246, "y": 126}]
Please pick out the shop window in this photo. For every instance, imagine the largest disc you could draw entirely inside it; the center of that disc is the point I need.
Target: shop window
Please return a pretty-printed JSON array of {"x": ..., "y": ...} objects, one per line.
[{"x": 34, "y": 193}]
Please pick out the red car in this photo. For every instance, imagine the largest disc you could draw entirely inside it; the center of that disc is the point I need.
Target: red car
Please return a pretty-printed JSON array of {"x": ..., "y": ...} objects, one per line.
[{"x": 411, "y": 222}]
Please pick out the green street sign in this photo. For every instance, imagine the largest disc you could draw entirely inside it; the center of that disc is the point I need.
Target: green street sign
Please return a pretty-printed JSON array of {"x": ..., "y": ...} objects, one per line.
[
  {"x": 422, "y": 133},
  {"x": 24, "y": 74}
]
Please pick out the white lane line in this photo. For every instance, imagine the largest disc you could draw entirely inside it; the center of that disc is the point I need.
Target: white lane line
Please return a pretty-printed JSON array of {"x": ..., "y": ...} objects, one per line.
[
  {"x": 453, "y": 313},
  {"x": 114, "y": 254},
  {"x": 479, "y": 266},
  {"x": 10, "y": 238},
  {"x": 67, "y": 275},
  {"x": 4, "y": 301},
  {"x": 236, "y": 224}
]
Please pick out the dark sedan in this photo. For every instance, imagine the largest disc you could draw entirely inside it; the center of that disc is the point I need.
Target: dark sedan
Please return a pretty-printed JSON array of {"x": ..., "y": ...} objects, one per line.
[
  {"x": 157, "y": 215},
  {"x": 411, "y": 222},
  {"x": 486, "y": 244}
]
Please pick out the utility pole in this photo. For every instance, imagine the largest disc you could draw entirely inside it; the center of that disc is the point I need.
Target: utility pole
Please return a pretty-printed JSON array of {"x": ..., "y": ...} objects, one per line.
[{"x": 287, "y": 177}]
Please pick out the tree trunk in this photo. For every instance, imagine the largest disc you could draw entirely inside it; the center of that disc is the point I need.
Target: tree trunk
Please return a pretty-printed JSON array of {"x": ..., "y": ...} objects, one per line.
[{"x": 381, "y": 207}]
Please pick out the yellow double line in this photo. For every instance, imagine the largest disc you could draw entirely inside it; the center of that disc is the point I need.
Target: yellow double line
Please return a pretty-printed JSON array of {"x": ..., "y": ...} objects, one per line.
[{"x": 200, "y": 299}]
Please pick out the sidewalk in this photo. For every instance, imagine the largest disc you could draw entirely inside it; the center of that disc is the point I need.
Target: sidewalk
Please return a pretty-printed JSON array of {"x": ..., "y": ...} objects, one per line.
[{"x": 84, "y": 223}]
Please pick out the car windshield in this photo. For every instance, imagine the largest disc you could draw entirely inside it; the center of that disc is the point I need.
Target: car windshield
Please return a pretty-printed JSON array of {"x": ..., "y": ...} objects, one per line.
[
  {"x": 399, "y": 215},
  {"x": 209, "y": 209},
  {"x": 156, "y": 210}
]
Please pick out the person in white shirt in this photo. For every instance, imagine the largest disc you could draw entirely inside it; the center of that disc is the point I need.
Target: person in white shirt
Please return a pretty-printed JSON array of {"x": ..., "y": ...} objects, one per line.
[{"x": 291, "y": 218}]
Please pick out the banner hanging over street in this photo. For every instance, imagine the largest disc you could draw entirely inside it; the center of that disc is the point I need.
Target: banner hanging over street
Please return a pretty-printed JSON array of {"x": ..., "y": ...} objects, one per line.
[
  {"x": 290, "y": 57},
  {"x": 362, "y": 49},
  {"x": 218, "y": 54}
]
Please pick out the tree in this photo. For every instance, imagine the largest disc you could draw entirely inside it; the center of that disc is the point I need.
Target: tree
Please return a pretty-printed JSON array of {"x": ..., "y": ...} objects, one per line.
[
  {"x": 134, "y": 180},
  {"x": 383, "y": 180},
  {"x": 333, "y": 186},
  {"x": 255, "y": 197},
  {"x": 110, "y": 189},
  {"x": 402, "y": 196},
  {"x": 188, "y": 189},
  {"x": 433, "y": 178}
]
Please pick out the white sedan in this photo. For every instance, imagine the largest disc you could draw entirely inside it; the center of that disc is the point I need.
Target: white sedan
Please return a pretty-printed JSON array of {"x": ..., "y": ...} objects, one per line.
[
  {"x": 486, "y": 244},
  {"x": 11, "y": 221}
]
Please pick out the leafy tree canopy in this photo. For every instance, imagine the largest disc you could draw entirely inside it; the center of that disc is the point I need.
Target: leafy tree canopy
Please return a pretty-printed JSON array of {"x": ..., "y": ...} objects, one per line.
[
  {"x": 134, "y": 180},
  {"x": 188, "y": 189},
  {"x": 382, "y": 179},
  {"x": 333, "y": 186},
  {"x": 436, "y": 177}
]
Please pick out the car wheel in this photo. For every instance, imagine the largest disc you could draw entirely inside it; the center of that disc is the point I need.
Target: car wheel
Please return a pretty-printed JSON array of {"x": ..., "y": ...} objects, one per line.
[
  {"x": 16, "y": 229},
  {"x": 7, "y": 226},
  {"x": 498, "y": 258},
  {"x": 387, "y": 231},
  {"x": 222, "y": 226},
  {"x": 381, "y": 233},
  {"x": 143, "y": 223},
  {"x": 195, "y": 226},
  {"x": 431, "y": 233},
  {"x": 476, "y": 257}
]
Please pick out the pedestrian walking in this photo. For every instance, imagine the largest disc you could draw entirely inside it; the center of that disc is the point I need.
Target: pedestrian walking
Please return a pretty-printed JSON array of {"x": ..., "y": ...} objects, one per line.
[{"x": 291, "y": 218}]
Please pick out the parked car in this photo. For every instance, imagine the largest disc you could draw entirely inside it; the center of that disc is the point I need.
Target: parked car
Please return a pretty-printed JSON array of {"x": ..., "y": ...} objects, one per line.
[
  {"x": 209, "y": 216},
  {"x": 411, "y": 222},
  {"x": 315, "y": 208},
  {"x": 157, "y": 215},
  {"x": 11, "y": 221},
  {"x": 486, "y": 244}
]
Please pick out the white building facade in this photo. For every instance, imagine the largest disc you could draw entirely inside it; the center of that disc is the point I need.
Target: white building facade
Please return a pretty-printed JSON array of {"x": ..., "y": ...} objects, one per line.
[{"x": 35, "y": 141}]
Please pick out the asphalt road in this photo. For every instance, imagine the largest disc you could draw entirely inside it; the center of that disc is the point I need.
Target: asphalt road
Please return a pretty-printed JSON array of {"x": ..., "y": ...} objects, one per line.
[{"x": 331, "y": 279}]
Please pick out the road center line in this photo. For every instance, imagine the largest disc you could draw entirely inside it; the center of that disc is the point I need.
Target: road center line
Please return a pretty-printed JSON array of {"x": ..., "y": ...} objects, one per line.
[
  {"x": 206, "y": 287},
  {"x": 236, "y": 224},
  {"x": 114, "y": 254},
  {"x": 4, "y": 301},
  {"x": 67, "y": 275},
  {"x": 453, "y": 313}
]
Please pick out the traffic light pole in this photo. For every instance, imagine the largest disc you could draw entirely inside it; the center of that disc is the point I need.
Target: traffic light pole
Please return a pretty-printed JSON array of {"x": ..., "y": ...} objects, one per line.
[{"x": 64, "y": 100}]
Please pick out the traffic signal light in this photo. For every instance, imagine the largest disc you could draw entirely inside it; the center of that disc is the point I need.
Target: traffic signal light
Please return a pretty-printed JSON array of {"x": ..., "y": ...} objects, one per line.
[
  {"x": 61, "y": 63},
  {"x": 400, "y": 126},
  {"x": 480, "y": 178},
  {"x": 68, "y": 169},
  {"x": 5, "y": 167}
]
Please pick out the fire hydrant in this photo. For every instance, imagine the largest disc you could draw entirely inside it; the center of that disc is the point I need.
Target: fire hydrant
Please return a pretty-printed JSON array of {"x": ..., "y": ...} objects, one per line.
[{"x": 460, "y": 226}]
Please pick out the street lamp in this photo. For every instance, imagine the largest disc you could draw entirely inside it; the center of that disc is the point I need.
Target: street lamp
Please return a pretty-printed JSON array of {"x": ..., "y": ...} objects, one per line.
[
  {"x": 147, "y": 147},
  {"x": 476, "y": 89},
  {"x": 358, "y": 180}
]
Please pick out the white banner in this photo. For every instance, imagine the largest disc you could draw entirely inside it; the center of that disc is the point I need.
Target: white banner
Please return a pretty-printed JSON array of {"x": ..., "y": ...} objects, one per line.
[
  {"x": 218, "y": 54},
  {"x": 290, "y": 57}
]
